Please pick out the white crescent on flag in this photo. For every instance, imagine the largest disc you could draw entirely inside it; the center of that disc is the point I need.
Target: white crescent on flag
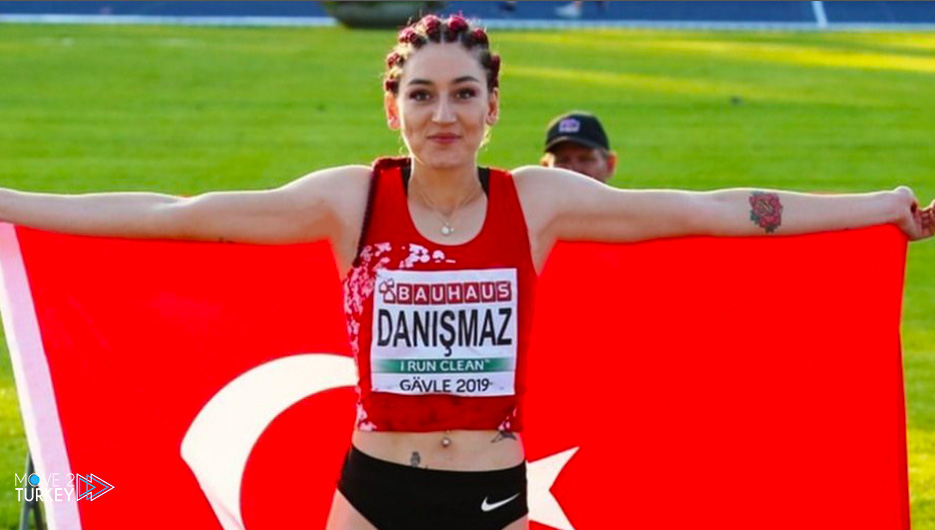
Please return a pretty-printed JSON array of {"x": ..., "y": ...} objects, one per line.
[{"x": 219, "y": 441}]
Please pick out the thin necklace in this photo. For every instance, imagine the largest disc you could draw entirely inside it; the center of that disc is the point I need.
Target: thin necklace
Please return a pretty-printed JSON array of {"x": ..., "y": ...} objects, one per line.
[{"x": 447, "y": 228}]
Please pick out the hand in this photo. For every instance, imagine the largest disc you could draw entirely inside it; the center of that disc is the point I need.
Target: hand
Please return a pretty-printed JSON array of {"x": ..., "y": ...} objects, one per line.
[{"x": 917, "y": 223}]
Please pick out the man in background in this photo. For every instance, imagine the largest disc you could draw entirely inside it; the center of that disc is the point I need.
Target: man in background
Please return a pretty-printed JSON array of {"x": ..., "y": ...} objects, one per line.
[{"x": 576, "y": 141}]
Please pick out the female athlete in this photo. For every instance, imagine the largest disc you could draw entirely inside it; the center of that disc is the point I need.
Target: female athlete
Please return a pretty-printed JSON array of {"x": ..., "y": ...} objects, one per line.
[{"x": 439, "y": 260}]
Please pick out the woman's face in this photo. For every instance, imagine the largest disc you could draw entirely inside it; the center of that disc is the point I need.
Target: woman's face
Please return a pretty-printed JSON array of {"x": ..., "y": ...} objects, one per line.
[{"x": 443, "y": 106}]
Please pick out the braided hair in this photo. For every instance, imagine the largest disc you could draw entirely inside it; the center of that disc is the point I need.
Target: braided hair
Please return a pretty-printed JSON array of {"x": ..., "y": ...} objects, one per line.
[{"x": 431, "y": 28}]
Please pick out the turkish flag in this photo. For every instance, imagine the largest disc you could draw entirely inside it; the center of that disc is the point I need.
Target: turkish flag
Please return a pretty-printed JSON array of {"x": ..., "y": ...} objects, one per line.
[{"x": 696, "y": 382}]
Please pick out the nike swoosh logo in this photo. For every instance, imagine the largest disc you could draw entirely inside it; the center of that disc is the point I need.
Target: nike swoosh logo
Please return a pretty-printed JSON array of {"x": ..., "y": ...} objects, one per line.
[{"x": 490, "y": 507}]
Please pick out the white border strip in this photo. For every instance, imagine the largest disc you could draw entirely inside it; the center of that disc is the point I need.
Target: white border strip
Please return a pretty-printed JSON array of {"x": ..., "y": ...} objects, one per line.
[
  {"x": 32, "y": 376},
  {"x": 169, "y": 20},
  {"x": 512, "y": 24},
  {"x": 546, "y": 24}
]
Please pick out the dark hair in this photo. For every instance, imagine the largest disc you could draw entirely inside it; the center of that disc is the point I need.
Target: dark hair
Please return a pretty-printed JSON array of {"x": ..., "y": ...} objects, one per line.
[{"x": 431, "y": 28}]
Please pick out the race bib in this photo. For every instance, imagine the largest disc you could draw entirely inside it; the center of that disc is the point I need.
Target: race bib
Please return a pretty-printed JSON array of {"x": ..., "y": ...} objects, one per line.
[{"x": 444, "y": 332}]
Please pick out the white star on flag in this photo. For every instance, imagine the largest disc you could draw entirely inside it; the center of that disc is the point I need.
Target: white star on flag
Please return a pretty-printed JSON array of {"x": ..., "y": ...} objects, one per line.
[{"x": 543, "y": 506}]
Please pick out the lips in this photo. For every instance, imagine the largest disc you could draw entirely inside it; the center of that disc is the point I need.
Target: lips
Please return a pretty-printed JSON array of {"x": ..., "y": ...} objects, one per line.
[{"x": 444, "y": 138}]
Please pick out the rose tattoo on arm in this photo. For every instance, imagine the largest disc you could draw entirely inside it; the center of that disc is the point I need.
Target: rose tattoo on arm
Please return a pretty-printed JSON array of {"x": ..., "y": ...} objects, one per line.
[{"x": 766, "y": 210}]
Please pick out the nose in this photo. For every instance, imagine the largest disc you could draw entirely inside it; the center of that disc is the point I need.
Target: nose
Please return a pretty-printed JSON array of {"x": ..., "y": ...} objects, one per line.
[{"x": 443, "y": 112}]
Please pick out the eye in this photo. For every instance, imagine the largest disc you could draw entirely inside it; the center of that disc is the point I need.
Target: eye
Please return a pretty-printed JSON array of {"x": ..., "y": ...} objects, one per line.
[
  {"x": 466, "y": 93},
  {"x": 420, "y": 95}
]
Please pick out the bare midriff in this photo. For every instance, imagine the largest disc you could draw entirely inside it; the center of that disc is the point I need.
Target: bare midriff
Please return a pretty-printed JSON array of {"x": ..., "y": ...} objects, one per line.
[{"x": 447, "y": 450}]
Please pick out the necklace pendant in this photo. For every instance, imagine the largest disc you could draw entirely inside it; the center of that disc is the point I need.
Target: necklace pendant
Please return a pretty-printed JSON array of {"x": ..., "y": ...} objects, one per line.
[{"x": 447, "y": 230}]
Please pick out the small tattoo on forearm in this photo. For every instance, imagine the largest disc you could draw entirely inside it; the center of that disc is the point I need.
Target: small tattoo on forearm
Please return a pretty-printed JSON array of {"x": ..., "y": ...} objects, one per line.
[
  {"x": 766, "y": 210},
  {"x": 415, "y": 459},
  {"x": 503, "y": 435}
]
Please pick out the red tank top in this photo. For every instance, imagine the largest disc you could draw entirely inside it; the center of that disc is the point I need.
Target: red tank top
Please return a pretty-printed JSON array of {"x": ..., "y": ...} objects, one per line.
[{"x": 440, "y": 332}]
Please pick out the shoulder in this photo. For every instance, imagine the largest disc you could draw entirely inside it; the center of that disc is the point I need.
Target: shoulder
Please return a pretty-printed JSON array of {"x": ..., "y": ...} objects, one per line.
[
  {"x": 533, "y": 181},
  {"x": 531, "y": 173},
  {"x": 342, "y": 191},
  {"x": 549, "y": 187},
  {"x": 342, "y": 177},
  {"x": 539, "y": 190},
  {"x": 539, "y": 176},
  {"x": 333, "y": 187}
]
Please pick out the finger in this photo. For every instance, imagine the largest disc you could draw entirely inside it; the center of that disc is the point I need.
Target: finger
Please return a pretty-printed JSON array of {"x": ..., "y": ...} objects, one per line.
[{"x": 928, "y": 220}]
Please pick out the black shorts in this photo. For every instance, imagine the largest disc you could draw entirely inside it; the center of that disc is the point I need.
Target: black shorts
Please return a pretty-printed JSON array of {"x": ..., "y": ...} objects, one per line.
[{"x": 398, "y": 497}]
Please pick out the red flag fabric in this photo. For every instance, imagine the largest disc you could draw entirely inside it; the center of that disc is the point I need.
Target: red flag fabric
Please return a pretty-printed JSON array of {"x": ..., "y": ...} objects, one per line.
[{"x": 729, "y": 383}]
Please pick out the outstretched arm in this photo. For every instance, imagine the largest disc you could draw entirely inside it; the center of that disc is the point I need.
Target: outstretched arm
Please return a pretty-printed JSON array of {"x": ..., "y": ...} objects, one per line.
[
  {"x": 745, "y": 211},
  {"x": 583, "y": 209},
  {"x": 304, "y": 210}
]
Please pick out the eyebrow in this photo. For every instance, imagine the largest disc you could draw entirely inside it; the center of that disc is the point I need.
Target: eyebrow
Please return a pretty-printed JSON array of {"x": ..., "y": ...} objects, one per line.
[{"x": 461, "y": 79}]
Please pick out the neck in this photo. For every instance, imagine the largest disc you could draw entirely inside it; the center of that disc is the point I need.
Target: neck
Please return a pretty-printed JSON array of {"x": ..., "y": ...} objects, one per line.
[{"x": 446, "y": 188}]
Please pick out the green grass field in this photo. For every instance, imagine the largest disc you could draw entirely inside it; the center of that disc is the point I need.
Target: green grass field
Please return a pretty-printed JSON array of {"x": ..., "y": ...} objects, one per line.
[{"x": 185, "y": 110}]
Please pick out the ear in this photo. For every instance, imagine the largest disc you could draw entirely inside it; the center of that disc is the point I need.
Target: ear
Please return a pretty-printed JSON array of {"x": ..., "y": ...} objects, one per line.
[
  {"x": 493, "y": 107},
  {"x": 392, "y": 111},
  {"x": 611, "y": 163}
]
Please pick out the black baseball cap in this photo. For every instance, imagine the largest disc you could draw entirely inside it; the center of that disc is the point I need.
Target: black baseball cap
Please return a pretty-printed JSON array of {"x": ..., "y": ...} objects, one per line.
[{"x": 579, "y": 127}]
